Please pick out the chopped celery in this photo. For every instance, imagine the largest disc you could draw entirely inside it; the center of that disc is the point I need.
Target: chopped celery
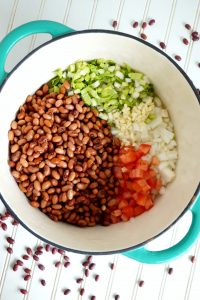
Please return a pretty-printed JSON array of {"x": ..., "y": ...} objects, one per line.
[{"x": 104, "y": 84}]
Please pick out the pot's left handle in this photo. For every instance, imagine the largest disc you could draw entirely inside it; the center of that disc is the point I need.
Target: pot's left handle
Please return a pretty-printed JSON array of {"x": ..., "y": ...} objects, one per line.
[{"x": 34, "y": 27}]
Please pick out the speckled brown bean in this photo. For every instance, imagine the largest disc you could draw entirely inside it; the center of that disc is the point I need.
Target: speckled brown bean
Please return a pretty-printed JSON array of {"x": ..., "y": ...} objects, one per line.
[
  {"x": 85, "y": 180},
  {"x": 46, "y": 171},
  {"x": 34, "y": 204},
  {"x": 63, "y": 197},
  {"x": 89, "y": 152},
  {"x": 40, "y": 177},
  {"x": 32, "y": 169},
  {"x": 24, "y": 162},
  {"x": 46, "y": 185},
  {"x": 54, "y": 199},
  {"x": 45, "y": 196},
  {"x": 93, "y": 185},
  {"x": 11, "y": 135},
  {"x": 85, "y": 129},
  {"x": 62, "y": 164},
  {"x": 14, "y": 148},
  {"x": 16, "y": 156},
  {"x": 81, "y": 186},
  {"x": 43, "y": 204},
  {"x": 85, "y": 140},
  {"x": 70, "y": 194},
  {"x": 55, "y": 174},
  {"x": 71, "y": 146},
  {"x": 67, "y": 187},
  {"x": 14, "y": 125},
  {"x": 37, "y": 185},
  {"x": 72, "y": 176},
  {"x": 30, "y": 135},
  {"x": 60, "y": 151},
  {"x": 71, "y": 163},
  {"x": 22, "y": 142},
  {"x": 57, "y": 139},
  {"x": 79, "y": 108},
  {"x": 70, "y": 153},
  {"x": 90, "y": 162}
]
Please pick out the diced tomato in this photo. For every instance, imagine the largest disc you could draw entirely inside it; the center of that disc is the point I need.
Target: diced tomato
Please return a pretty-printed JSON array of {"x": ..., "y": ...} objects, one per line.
[
  {"x": 125, "y": 149},
  {"x": 122, "y": 204},
  {"x": 142, "y": 164},
  {"x": 155, "y": 161},
  {"x": 129, "y": 157},
  {"x": 118, "y": 172},
  {"x": 131, "y": 186},
  {"x": 158, "y": 184},
  {"x": 124, "y": 217},
  {"x": 142, "y": 198},
  {"x": 125, "y": 175},
  {"x": 149, "y": 203},
  {"x": 132, "y": 202},
  {"x": 145, "y": 200},
  {"x": 136, "y": 173},
  {"x": 136, "y": 181},
  {"x": 134, "y": 196},
  {"x": 122, "y": 183},
  {"x": 128, "y": 211},
  {"x": 127, "y": 194},
  {"x": 150, "y": 173},
  {"x": 116, "y": 213},
  {"x": 138, "y": 210},
  {"x": 144, "y": 148},
  {"x": 144, "y": 187},
  {"x": 152, "y": 182},
  {"x": 131, "y": 166},
  {"x": 114, "y": 219}
]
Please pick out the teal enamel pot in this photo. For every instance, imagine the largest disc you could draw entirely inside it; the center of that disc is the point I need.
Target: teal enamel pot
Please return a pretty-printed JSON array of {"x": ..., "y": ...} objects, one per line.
[{"x": 171, "y": 84}]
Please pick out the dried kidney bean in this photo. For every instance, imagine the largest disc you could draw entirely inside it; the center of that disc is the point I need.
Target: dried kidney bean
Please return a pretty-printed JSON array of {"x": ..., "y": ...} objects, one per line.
[
  {"x": 23, "y": 291},
  {"x": 144, "y": 25},
  {"x": 114, "y": 24},
  {"x": 43, "y": 282},
  {"x": 178, "y": 57},
  {"x": 20, "y": 263},
  {"x": 10, "y": 240},
  {"x": 143, "y": 36},
  {"x": 9, "y": 250},
  {"x": 141, "y": 283},
  {"x": 188, "y": 26},
  {"x": 152, "y": 22},
  {"x": 96, "y": 278},
  {"x": 162, "y": 45},
  {"x": 66, "y": 292},
  {"x": 170, "y": 271}
]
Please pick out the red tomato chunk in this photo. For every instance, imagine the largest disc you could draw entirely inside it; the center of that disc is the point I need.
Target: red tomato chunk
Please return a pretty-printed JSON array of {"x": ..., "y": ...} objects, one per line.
[{"x": 138, "y": 181}]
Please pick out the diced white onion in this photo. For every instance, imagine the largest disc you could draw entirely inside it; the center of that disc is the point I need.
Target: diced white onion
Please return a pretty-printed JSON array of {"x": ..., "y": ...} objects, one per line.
[
  {"x": 117, "y": 85},
  {"x": 136, "y": 95},
  {"x": 96, "y": 84},
  {"x": 119, "y": 74}
]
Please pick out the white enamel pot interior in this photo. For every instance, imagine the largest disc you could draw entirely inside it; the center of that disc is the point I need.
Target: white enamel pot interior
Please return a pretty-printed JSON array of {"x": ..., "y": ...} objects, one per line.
[{"x": 175, "y": 90}]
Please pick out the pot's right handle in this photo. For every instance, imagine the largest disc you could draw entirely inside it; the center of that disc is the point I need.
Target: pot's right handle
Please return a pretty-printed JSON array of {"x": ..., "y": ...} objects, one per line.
[
  {"x": 156, "y": 257},
  {"x": 34, "y": 27}
]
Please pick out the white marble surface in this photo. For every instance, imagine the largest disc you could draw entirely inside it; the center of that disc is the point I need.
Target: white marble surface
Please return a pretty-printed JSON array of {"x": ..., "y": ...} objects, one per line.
[{"x": 183, "y": 283}]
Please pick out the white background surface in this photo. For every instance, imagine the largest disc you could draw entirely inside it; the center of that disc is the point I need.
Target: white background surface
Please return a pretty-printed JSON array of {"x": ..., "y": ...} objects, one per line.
[{"x": 183, "y": 283}]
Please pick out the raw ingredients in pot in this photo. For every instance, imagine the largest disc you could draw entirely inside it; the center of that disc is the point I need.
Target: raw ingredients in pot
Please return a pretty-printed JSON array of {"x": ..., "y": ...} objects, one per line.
[
  {"x": 93, "y": 146},
  {"x": 126, "y": 99}
]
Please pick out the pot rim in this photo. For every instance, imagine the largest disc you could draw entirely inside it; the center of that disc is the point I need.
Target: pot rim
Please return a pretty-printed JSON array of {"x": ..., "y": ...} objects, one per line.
[{"x": 197, "y": 97}]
